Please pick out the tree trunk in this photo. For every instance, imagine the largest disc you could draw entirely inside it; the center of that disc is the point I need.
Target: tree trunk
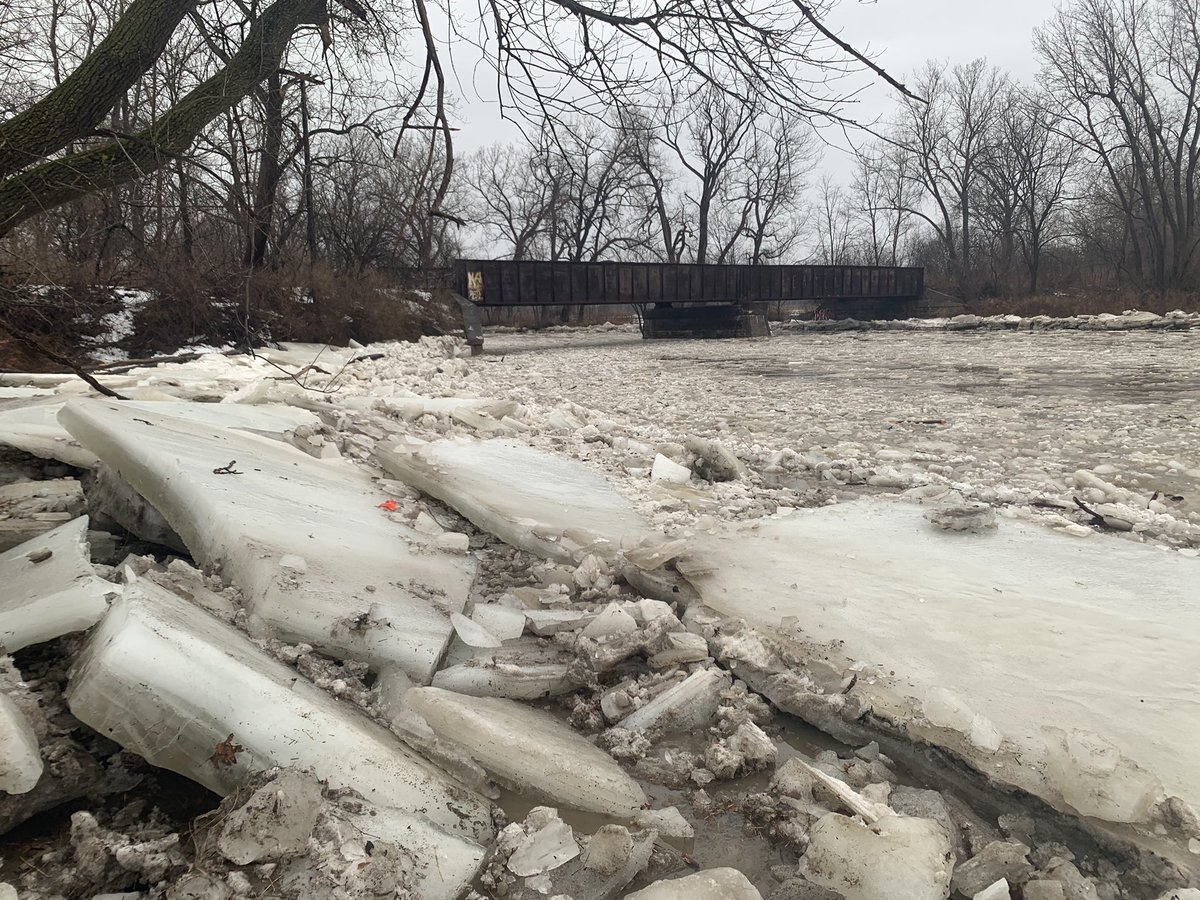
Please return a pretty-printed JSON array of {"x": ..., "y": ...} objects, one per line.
[
  {"x": 269, "y": 172},
  {"x": 74, "y": 108},
  {"x": 59, "y": 181}
]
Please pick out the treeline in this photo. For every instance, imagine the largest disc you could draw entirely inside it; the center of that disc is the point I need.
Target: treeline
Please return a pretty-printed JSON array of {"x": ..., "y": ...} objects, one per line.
[
  {"x": 1084, "y": 180},
  {"x": 336, "y": 163}
]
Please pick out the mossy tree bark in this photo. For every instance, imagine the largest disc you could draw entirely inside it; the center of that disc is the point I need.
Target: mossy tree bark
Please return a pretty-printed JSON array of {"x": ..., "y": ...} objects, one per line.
[
  {"x": 81, "y": 101},
  {"x": 128, "y": 157}
]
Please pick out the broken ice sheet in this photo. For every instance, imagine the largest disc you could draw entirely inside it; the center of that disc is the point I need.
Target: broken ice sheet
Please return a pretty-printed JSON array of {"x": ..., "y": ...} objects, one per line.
[
  {"x": 185, "y": 691},
  {"x": 897, "y": 856},
  {"x": 50, "y": 587},
  {"x": 35, "y": 428},
  {"x": 1024, "y": 626},
  {"x": 359, "y": 585},
  {"x": 530, "y": 751},
  {"x": 547, "y": 504}
]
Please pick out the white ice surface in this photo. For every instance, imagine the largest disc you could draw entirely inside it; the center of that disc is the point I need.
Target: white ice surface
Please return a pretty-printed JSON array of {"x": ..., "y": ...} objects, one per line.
[
  {"x": 529, "y": 750},
  {"x": 55, "y": 596},
  {"x": 369, "y": 588},
  {"x": 541, "y": 502},
  {"x": 168, "y": 681},
  {"x": 35, "y": 428},
  {"x": 1024, "y": 627}
]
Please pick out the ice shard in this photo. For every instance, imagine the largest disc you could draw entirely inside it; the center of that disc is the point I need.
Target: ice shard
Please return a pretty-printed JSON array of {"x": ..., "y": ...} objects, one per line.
[
  {"x": 305, "y": 541},
  {"x": 50, "y": 587},
  {"x": 20, "y": 761},
  {"x": 547, "y": 504},
  {"x": 188, "y": 693},
  {"x": 529, "y": 750}
]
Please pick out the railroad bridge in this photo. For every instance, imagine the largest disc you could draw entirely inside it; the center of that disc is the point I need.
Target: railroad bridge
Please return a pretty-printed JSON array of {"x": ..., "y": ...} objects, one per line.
[{"x": 688, "y": 300}]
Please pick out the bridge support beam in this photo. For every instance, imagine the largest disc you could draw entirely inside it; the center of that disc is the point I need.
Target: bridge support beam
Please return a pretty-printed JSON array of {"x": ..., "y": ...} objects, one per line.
[
  {"x": 472, "y": 324},
  {"x": 664, "y": 321}
]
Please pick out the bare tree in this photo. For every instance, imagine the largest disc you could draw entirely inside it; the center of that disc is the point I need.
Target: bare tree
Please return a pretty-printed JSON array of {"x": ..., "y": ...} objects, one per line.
[
  {"x": 1124, "y": 77},
  {"x": 833, "y": 225},
  {"x": 947, "y": 138},
  {"x": 884, "y": 190},
  {"x": 706, "y": 135}
]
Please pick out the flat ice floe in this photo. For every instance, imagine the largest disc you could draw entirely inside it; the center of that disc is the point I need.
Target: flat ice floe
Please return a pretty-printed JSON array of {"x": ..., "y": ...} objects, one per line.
[
  {"x": 541, "y": 502},
  {"x": 1065, "y": 666},
  {"x": 303, "y": 539},
  {"x": 168, "y": 681},
  {"x": 50, "y": 587}
]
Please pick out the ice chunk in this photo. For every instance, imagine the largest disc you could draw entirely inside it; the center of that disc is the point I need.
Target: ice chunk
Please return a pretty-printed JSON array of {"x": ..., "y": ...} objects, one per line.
[
  {"x": 1096, "y": 779},
  {"x": 275, "y": 822},
  {"x": 504, "y": 622},
  {"x": 191, "y": 694},
  {"x": 1030, "y": 608},
  {"x": 686, "y": 707},
  {"x": 472, "y": 633},
  {"x": 20, "y": 761},
  {"x": 545, "y": 849},
  {"x": 669, "y": 471},
  {"x": 612, "y": 620},
  {"x": 896, "y": 857},
  {"x": 546, "y": 504},
  {"x": 998, "y": 861},
  {"x": 518, "y": 679},
  {"x": 551, "y": 621},
  {"x": 373, "y": 590},
  {"x": 31, "y": 508},
  {"x": 974, "y": 517},
  {"x": 609, "y": 849},
  {"x": 713, "y": 460},
  {"x": 710, "y": 884},
  {"x": 111, "y": 496},
  {"x": 36, "y": 429},
  {"x": 668, "y": 822},
  {"x": 677, "y": 648},
  {"x": 50, "y": 588},
  {"x": 530, "y": 751},
  {"x": 996, "y": 891},
  {"x": 945, "y": 709}
]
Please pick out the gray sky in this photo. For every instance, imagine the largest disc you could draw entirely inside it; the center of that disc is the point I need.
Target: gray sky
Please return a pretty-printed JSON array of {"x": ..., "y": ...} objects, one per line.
[{"x": 901, "y": 34}]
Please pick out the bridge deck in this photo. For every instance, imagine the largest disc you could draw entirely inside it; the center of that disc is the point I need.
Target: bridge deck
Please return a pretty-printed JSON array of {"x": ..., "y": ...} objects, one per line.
[{"x": 491, "y": 283}]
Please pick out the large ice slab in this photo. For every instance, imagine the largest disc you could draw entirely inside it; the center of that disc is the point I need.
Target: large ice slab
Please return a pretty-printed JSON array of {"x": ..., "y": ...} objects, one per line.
[
  {"x": 35, "y": 428},
  {"x": 50, "y": 588},
  {"x": 547, "y": 504},
  {"x": 530, "y": 751},
  {"x": 305, "y": 541},
  {"x": 168, "y": 681},
  {"x": 1065, "y": 666}
]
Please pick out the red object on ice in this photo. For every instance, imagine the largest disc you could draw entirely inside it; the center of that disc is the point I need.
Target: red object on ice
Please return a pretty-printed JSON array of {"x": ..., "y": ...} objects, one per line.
[{"x": 389, "y": 505}]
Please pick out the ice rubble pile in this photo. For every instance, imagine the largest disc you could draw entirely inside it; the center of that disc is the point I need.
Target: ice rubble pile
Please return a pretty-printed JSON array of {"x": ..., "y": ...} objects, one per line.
[{"x": 353, "y": 678}]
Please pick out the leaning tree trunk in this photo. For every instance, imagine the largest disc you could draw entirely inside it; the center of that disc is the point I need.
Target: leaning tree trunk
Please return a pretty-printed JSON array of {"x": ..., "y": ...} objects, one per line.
[
  {"x": 126, "y": 158},
  {"x": 269, "y": 172},
  {"x": 79, "y": 103}
]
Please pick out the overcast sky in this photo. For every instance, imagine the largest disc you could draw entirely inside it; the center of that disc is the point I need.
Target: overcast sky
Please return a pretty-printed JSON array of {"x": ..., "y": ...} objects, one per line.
[{"x": 901, "y": 34}]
